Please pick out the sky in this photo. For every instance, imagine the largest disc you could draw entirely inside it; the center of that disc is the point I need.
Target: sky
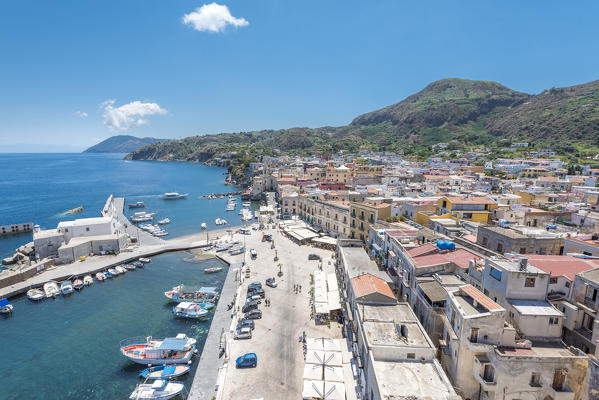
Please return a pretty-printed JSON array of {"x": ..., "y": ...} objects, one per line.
[{"x": 73, "y": 73}]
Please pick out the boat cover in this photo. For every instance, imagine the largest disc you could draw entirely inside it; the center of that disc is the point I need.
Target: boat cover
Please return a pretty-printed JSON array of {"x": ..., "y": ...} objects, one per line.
[
  {"x": 173, "y": 344},
  {"x": 4, "y": 303}
]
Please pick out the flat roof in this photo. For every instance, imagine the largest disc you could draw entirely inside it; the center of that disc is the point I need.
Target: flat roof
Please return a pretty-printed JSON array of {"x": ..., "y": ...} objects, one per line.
[
  {"x": 513, "y": 265},
  {"x": 538, "y": 349},
  {"x": 46, "y": 234},
  {"x": 85, "y": 221},
  {"x": 382, "y": 324},
  {"x": 533, "y": 307},
  {"x": 84, "y": 239},
  {"x": 357, "y": 262}
]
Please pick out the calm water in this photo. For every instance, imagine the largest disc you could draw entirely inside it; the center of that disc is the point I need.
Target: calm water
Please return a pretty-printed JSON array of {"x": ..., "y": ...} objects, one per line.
[
  {"x": 68, "y": 348},
  {"x": 39, "y": 188}
]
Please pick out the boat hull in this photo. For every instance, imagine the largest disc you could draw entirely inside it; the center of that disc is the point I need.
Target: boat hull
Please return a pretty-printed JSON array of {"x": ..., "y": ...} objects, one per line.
[
  {"x": 159, "y": 373},
  {"x": 156, "y": 361}
]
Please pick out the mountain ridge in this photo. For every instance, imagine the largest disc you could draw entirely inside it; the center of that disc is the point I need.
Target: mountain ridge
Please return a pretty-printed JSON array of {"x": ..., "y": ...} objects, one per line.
[{"x": 122, "y": 144}]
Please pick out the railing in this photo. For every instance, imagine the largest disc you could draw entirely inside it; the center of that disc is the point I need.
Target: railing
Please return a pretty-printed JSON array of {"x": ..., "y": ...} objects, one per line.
[{"x": 134, "y": 340}]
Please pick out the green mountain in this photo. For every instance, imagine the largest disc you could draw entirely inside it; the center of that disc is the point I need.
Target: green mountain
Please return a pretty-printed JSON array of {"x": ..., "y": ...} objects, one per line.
[
  {"x": 122, "y": 144},
  {"x": 469, "y": 112}
]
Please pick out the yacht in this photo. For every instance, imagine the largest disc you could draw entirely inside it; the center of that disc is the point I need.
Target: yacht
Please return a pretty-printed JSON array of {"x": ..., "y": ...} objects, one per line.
[
  {"x": 161, "y": 389},
  {"x": 170, "y": 350},
  {"x": 164, "y": 221},
  {"x": 5, "y": 307},
  {"x": 51, "y": 289},
  {"x": 88, "y": 280},
  {"x": 66, "y": 287},
  {"x": 230, "y": 207},
  {"x": 35, "y": 294},
  {"x": 188, "y": 309},
  {"x": 174, "y": 196},
  {"x": 201, "y": 295}
]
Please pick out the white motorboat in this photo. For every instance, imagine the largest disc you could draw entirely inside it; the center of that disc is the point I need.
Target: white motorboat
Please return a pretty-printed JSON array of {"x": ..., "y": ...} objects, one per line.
[
  {"x": 223, "y": 222},
  {"x": 113, "y": 272},
  {"x": 5, "y": 307},
  {"x": 51, "y": 289},
  {"x": 204, "y": 226},
  {"x": 145, "y": 260},
  {"x": 164, "y": 221},
  {"x": 100, "y": 276},
  {"x": 174, "y": 196},
  {"x": 246, "y": 204},
  {"x": 188, "y": 309},
  {"x": 170, "y": 350},
  {"x": 230, "y": 207},
  {"x": 35, "y": 294},
  {"x": 217, "y": 221},
  {"x": 66, "y": 287},
  {"x": 121, "y": 269},
  {"x": 161, "y": 389},
  {"x": 88, "y": 280}
]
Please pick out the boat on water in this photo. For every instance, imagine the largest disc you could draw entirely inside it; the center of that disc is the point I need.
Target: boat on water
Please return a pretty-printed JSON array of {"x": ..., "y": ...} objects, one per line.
[
  {"x": 137, "y": 204},
  {"x": 35, "y": 294},
  {"x": 174, "y": 196},
  {"x": 142, "y": 216},
  {"x": 145, "y": 260},
  {"x": 164, "y": 221},
  {"x": 212, "y": 270},
  {"x": 201, "y": 295},
  {"x": 88, "y": 280},
  {"x": 100, "y": 276},
  {"x": 138, "y": 264},
  {"x": 230, "y": 207},
  {"x": 130, "y": 267},
  {"x": 74, "y": 210},
  {"x": 223, "y": 222},
  {"x": 66, "y": 287},
  {"x": 217, "y": 221},
  {"x": 188, "y": 309},
  {"x": 246, "y": 204},
  {"x": 121, "y": 269},
  {"x": 158, "y": 390},
  {"x": 78, "y": 284},
  {"x": 107, "y": 274},
  {"x": 51, "y": 289},
  {"x": 170, "y": 350},
  {"x": 204, "y": 226},
  {"x": 113, "y": 272},
  {"x": 165, "y": 371},
  {"x": 234, "y": 252},
  {"x": 5, "y": 307}
]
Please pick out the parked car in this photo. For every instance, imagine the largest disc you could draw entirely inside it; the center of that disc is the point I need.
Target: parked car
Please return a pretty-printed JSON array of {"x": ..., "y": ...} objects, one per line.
[
  {"x": 253, "y": 254},
  {"x": 254, "y": 314},
  {"x": 313, "y": 256},
  {"x": 271, "y": 282},
  {"x": 249, "y": 306},
  {"x": 256, "y": 292},
  {"x": 243, "y": 333},
  {"x": 246, "y": 323},
  {"x": 245, "y": 231},
  {"x": 255, "y": 285},
  {"x": 255, "y": 298},
  {"x": 247, "y": 360}
]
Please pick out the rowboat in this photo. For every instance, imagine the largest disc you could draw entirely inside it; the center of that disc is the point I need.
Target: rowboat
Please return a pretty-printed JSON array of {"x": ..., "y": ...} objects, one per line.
[
  {"x": 171, "y": 350},
  {"x": 35, "y": 295},
  {"x": 130, "y": 267},
  {"x": 78, "y": 284},
  {"x": 212, "y": 270},
  {"x": 165, "y": 371},
  {"x": 158, "y": 390},
  {"x": 5, "y": 307},
  {"x": 51, "y": 289}
]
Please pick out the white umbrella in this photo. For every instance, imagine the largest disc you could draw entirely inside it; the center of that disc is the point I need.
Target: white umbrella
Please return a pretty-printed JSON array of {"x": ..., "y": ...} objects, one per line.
[
  {"x": 313, "y": 389},
  {"x": 313, "y": 372},
  {"x": 330, "y": 344},
  {"x": 334, "y": 391},
  {"x": 333, "y": 374},
  {"x": 314, "y": 344},
  {"x": 315, "y": 357}
]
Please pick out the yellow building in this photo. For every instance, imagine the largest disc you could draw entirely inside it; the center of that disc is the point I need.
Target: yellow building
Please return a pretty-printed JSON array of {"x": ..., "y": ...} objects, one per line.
[
  {"x": 476, "y": 209},
  {"x": 330, "y": 174},
  {"x": 364, "y": 214},
  {"x": 369, "y": 170}
]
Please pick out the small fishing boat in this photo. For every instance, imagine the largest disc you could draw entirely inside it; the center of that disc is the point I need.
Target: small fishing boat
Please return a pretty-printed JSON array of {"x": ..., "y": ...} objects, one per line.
[
  {"x": 158, "y": 390},
  {"x": 113, "y": 272},
  {"x": 204, "y": 226},
  {"x": 170, "y": 350},
  {"x": 206, "y": 306},
  {"x": 5, "y": 307},
  {"x": 66, "y": 287},
  {"x": 165, "y": 371},
  {"x": 51, "y": 289},
  {"x": 174, "y": 196},
  {"x": 137, "y": 204},
  {"x": 223, "y": 222},
  {"x": 35, "y": 295},
  {"x": 130, "y": 267},
  {"x": 74, "y": 210},
  {"x": 137, "y": 264},
  {"x": 145, "y": 260},
  {"x": 107, "y": 274},
  {"x": 234, "y": 252},
  {"x": 201, "y": 295},
  {"x": 212, "y": 270},
  {"x": 78, "y": 284},
  {"x": 189, "y": 310},
  {"x": 88, "y": 280},
  {"x": 217, "y": 221},
  {"x": 121, "y": 269},
  {"x": 100, "y": 276},
  {"x": 164, "y": 221}
]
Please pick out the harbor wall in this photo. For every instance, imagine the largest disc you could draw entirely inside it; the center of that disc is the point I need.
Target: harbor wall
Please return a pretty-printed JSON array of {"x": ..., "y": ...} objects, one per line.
[{"x": 16, "y": 228}]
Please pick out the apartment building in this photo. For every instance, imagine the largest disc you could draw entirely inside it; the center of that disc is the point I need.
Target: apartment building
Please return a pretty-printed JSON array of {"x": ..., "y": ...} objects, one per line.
[
  {"x": 476, "y": 209},
  {"x": 364, "y": 214},
  {"x": 329, "y": 215}
]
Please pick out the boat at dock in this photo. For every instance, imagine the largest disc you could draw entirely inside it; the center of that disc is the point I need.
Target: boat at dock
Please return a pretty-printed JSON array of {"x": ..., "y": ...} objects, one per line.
[
  {"x": 170, "y": 350},
  {"x": 201, "y": 295},
  {"x": 130, "y": 267},
  {"x": 35, "y": 294},
  {"x": 164, "y": 221},
  {"x": 188, "y": 309},
  {"x": 174, "y": 196},
  {"x": 100, "y": 276},
  {"x": 107, "y": 274},
  {"x": 212, "y": 270},
  {"x": 234, "y": 252},
  {"x": 145, "y": 260},
  {"x": 51, "y": 289},
  {"x": 165, "y": 371},
  {"x": 88, "y": 280},
  {"x": 138, "y": 264},
  {"x": 137, "y": 204},
  {"x": 158, "y": 390},
  {"x": 121, "y": 269},
  {"x": 142, "y": 216},
  {"x": 78, "y": 284},
  {"x": 5, "y": 307},
  {"x": 66, "y": 287},
  {"x": 112, "y": 272}
]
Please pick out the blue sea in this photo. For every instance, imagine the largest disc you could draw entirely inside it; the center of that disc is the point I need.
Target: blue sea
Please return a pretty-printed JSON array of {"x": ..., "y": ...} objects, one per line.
[{"x": 68, "y": 348}]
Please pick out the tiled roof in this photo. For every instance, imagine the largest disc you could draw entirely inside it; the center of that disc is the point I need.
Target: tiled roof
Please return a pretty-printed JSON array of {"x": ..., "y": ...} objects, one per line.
[
  {"x": 470, "y": 200},
  {"x": 367, "y": 284},
  {"x": 459, "y": 257},
  {"x": 420, "y": 250},
  {"x": 566, "y": 266},
  {"x": 480, "y": 298}
]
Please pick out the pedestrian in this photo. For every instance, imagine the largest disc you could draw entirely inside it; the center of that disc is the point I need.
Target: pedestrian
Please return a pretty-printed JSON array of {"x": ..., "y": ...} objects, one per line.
[{"x": 300, "y": 288}]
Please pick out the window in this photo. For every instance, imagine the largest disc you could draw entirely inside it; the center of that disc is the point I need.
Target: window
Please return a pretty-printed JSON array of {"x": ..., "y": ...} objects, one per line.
[
  {"x": 511, "y": 315},
  {"x": 411, "y": 356},
  {"x": 485, "y": 241},
  {"x": 495, "y": 273},
  {"x": 467, "y": 215},
  {"x": 553, "y": 320},
  {"x": 489, "y": 373},
  {"x": 567, "y": 284},
  {"x": 535, "y": 379},
  {"x": 529, "y": 282},
  {"x": 87, "y": 229},
  {"x": 522, "y": 250},
  {"x": 474, "y": 335},
  {"x": 500, "y": 247}
]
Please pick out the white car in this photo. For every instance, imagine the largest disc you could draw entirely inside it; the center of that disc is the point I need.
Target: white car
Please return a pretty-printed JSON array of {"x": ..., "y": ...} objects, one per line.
[
  {"x": 253, "y": 253},
  {"x": 243, "y": 333}
]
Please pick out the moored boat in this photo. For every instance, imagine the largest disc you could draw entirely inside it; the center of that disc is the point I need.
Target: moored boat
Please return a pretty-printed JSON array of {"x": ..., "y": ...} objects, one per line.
[
  {"x": 78, "y": 284},
  {"x": 100, "y": 276},
  {"x": 88, "y": 280},
  {"x": 171, "y": 350},
  {"x": 137, "y": 204},
  {"x": 107, "y": 274},
  {"x": 35, "y": 294},
  {"x": 130, "y": 267},
  {"x": 188, "y": 309},
  {"x": 164, "y": 221},
  {"x": 145, "y": 260},
  {"x": 165, "y": 371},
  {"x": 212, "y": 270},
  {"x": 5, "y": 307},
  {"x": 137, "y": 264},
  {"x": 112, "y": 272},
  {"x": 121, "y": 269},
  {"x": 51, "y": 289},
  {"x": 158, "y": 390},
  {"x": 201, "y": 295},
  {"x": 66, "y": 287},
  {"x": 204, "y": 226}
]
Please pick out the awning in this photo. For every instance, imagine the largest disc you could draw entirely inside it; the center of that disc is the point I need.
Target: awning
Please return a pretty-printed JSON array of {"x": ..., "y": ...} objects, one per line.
[
  {"x": 376, "y": 247},
  {"x": 434, "y": 291}
]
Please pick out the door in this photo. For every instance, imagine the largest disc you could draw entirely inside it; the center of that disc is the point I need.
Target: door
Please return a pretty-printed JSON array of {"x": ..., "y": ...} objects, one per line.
[{"x": 559, "y": 378}]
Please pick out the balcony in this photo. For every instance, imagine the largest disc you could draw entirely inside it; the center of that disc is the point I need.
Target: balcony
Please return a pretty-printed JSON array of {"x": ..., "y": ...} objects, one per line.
[
  {"x": 564, "y": 394},
  {"x": 487, "y": 384}
]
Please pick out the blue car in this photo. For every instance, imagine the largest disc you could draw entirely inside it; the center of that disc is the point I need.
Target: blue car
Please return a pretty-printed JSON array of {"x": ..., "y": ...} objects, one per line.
[{"x": 247, "y": 360}]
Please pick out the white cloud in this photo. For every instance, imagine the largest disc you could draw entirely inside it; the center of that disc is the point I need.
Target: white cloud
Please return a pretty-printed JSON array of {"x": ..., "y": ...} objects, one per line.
[
  {"x": 81, "y": 114},
  {"x": 212, "y": 18},
  {"x": 129, "y": 115}
]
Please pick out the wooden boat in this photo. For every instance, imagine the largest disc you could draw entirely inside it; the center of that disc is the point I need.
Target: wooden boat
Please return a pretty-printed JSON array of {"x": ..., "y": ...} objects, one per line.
[
  {"x": 137, "y": 264},
  {"x": 158, "y": 390},
  {"x": 88, "y": 280},
  {"x": 171, "y": 350},
  {"x": 212, "y": 270},
  {"x": 66, "y": 287},
  {"x": 100, "y": 276},
  {"x": 165, "y": 371},
  {"x": 121, "y": 269},
  {"x": 51, "y": 289},
  {"x": 130, "y": 267},
  {"x": 78, "y": 284},
  {"x": 35, "y": 294},
  {"x": 188, "y": 309},
  {"x": 5, "y": 307}
]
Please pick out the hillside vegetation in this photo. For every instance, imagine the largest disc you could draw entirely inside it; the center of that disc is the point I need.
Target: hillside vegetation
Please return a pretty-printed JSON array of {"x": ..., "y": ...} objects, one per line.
[{"x": 121, "y": 144}]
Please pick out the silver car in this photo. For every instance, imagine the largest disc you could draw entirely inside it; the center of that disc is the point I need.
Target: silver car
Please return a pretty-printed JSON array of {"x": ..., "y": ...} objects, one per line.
[{"x": 243, "y": 333}]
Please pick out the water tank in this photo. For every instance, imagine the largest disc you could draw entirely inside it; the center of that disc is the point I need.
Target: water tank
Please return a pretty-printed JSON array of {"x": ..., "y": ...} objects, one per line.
[
  {"x": 450, "y": 245},
  {"x": 442, "y": 244}
]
